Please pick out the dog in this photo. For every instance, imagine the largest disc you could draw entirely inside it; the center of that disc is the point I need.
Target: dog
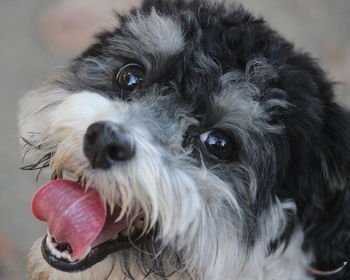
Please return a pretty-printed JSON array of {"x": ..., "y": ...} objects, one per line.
[{"x": 191, "y": 142}]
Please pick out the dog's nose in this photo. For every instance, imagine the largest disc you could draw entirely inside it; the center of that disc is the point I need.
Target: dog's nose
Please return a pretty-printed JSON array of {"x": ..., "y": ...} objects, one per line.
[{"x": 106, "y": 143}]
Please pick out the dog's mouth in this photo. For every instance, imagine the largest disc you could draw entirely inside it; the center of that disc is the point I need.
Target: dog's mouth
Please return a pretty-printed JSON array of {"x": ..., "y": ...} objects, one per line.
[{"x": 82, "y": 230}]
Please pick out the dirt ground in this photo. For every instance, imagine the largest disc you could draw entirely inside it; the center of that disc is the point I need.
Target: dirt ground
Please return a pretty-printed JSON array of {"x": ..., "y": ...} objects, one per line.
[{"x": 38, "y": 35}]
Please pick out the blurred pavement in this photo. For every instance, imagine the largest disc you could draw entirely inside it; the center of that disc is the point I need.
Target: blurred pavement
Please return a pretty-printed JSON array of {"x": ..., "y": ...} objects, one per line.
[{"x": 35, "y": 37}]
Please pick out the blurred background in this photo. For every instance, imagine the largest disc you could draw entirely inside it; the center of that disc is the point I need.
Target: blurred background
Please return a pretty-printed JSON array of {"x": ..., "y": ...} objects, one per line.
[{"x": 38, "y": 35}]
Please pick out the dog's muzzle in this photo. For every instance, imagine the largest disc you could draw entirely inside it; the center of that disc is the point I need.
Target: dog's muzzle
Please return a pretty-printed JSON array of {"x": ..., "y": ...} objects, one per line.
[
  {"x": 106, "y": 143},
  {"x": 82, "y": 229}
]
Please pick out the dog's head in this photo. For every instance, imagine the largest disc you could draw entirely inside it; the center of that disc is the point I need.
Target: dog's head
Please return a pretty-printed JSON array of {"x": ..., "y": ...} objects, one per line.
[{"x": 210, "y": 140}]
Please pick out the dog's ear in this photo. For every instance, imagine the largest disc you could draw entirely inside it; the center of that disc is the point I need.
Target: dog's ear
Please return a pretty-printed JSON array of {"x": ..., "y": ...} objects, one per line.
[{"x": 325, "y": 202}]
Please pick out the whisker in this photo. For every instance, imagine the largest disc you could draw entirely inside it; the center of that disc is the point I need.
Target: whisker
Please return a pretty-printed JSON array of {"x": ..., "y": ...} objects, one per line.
[
  {"x": 34, "y": 166},
  {"x": 92, "y": 275},
  {"x": 27, "y": 142},
  {"x": 38, "y": 175},
  {"x": 112, "y": 268},
  {"x": 40, "y": 164}
]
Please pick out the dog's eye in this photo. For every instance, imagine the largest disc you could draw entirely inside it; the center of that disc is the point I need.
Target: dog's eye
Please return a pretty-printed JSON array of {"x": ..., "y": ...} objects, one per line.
[
  {"x": 218, "y": 144},
  {"x": 130, "y": 77}
]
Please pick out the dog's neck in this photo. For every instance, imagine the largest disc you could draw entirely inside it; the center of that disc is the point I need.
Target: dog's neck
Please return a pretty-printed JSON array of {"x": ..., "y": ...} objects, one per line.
[{"x": 289, "y": 263}]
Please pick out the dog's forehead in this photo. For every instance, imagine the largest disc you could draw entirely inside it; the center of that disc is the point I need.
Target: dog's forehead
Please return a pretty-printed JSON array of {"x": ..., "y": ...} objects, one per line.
[
  {"x": 183, "y": 55},
  {"x": 157, "y": 34}
]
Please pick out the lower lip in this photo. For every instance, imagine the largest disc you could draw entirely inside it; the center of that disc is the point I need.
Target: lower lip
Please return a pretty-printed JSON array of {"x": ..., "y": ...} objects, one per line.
[{"x": 96, "y": 255}]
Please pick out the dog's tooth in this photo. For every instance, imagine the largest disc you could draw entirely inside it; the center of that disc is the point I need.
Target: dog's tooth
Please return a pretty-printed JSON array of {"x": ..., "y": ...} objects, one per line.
[
  {"x": 63, "y": 174},
  {"x": 115, "y": 237},
  {"x": 54, "y": 176},
  {"x": 124, "y": 233},
  {"x": 50, "y": 239},
  {"x": 79, "y": 179},
  {"x": 128, "y": 232},
  {"x": 139, "y": 224},
  {"x": 83, "y": 182}
]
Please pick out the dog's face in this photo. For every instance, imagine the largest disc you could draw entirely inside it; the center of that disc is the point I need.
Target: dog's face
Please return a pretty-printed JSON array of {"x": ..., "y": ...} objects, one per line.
[{"x": 194, "y": 123}]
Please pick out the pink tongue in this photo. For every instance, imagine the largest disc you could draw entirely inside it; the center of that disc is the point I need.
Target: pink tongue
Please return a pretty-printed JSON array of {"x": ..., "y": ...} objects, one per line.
[{"x": 74, "y": 215}]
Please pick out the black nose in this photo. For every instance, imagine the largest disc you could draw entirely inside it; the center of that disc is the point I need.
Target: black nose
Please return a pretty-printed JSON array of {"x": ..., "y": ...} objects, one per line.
[{"x": 106, "y": 143}]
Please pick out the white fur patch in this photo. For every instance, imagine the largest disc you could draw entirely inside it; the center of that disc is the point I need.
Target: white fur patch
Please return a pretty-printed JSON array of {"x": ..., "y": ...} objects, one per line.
[{"x": 290, "y": 264}]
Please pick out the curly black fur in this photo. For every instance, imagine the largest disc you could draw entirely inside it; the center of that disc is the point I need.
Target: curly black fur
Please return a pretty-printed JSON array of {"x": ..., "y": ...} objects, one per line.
[{"x": 314, "y": 153}]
